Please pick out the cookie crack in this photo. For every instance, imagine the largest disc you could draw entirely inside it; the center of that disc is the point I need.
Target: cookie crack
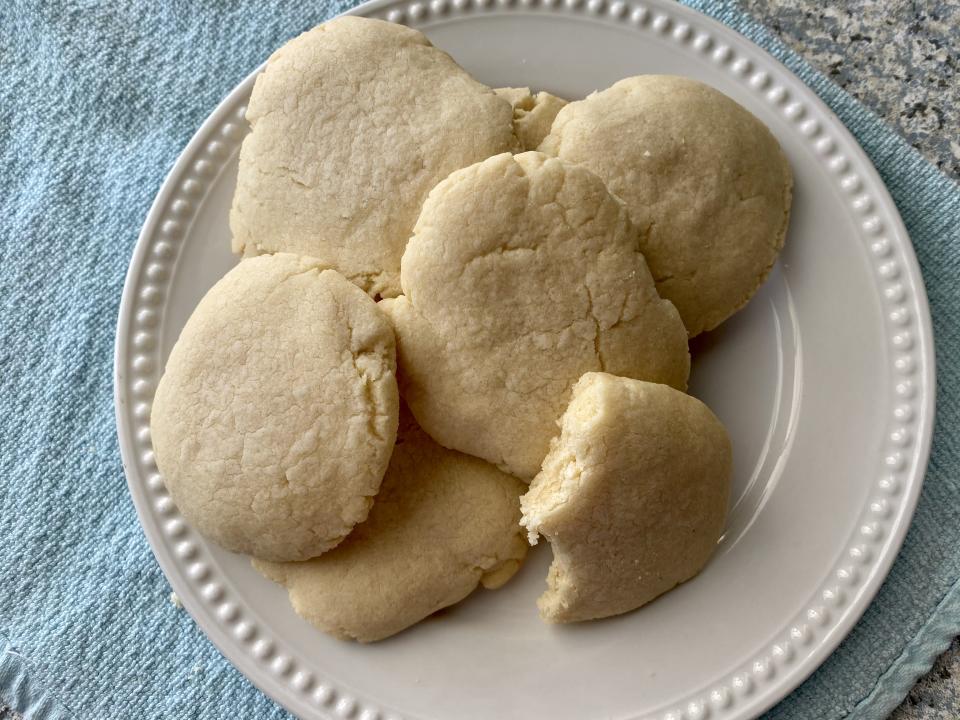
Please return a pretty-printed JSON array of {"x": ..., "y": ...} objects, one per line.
[
  {"x": 597, "y": 351},
  {"x": 368, "y": 398},
  {"x": 665, "y": 277},
  {"x": 497, "y": 252},
  {"x": 357, "y": 358}
]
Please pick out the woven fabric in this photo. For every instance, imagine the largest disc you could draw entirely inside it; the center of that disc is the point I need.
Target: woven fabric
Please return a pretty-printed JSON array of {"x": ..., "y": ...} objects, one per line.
[{"x": 96, "y": 101}]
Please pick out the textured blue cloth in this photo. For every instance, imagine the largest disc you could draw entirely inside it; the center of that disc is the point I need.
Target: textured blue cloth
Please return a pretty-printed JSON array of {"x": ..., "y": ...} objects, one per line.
[{"x": 96, "y": 101}]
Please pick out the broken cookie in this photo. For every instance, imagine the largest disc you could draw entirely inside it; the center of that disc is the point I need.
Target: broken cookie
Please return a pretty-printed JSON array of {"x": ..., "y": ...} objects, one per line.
[
  {"x": 532, "y": 114},
  {"x": 632, "y": 496}
]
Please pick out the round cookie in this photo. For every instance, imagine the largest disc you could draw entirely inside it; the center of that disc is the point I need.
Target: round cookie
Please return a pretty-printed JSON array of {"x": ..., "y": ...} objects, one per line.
[
  {"x": 632, "y": 496},
  {"x": 522, "y": 274},
  {"x": 532, "y": 114},
  {"x": 352, "y": 124},
  {"x": 705, "y": 180},
  {"x": 274, "y": 420},
  {"x": 443, "y": 523}
]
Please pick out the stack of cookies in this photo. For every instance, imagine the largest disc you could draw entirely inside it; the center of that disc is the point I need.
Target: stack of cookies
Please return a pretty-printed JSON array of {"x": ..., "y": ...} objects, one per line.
[{"x": 461, "y": 322}]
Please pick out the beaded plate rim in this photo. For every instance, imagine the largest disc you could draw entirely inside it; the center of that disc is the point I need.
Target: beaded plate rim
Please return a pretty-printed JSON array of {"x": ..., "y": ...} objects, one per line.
[{"x": 751, "y": 687}]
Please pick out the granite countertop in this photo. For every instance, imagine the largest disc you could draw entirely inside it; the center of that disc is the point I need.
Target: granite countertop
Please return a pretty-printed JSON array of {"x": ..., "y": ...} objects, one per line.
[{"x": 901, "y": 59}]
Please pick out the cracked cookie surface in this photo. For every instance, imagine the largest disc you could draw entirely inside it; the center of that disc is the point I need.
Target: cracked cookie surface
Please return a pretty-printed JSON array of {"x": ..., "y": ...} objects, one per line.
[
  {"x": 442, "y": 523},
  {"x": 523, "y": 273},
  {"x": 702, "y": 175},
  {"x": 276, "y": 414},
  {"x": 352, "y": 124},
  {"x": 632, "y": 496}
]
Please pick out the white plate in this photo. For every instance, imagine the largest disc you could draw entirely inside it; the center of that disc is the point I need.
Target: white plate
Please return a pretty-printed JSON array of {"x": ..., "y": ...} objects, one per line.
[{"x": 825, "y": 382}]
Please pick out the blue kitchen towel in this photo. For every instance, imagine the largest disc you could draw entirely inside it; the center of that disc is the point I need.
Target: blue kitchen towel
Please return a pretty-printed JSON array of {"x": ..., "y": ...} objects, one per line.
[{"x": 96, "y": 101}]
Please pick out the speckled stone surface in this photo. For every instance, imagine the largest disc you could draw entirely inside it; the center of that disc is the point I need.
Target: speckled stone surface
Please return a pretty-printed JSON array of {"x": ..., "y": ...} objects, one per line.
[
  {"x": 937, "y": 695},
  {"x": 902, "y": 60}
]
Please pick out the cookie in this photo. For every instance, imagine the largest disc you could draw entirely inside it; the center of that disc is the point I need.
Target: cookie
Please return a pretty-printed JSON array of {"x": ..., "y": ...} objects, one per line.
[
  {"x": 522, "y": 274},
  {"x": 352, "y": 124},
  {"x": 532, "y": 114},
  {"x": 276, "y": 414},
  {"x": 632, "y": 497},
  {"x": 443, "y": 523},
  {"x": 705, "y": 180}
]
